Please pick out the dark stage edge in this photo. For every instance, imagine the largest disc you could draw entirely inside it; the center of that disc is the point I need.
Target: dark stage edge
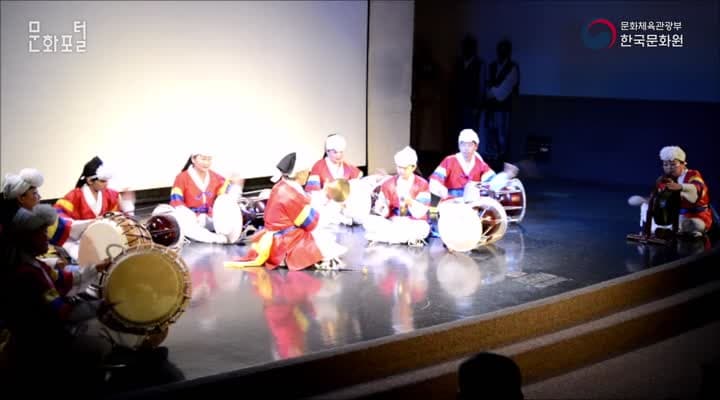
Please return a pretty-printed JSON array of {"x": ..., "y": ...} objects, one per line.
[{"x": 242, "y": 322}]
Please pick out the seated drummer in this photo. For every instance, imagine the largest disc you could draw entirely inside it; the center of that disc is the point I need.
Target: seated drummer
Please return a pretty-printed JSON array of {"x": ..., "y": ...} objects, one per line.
[
  {"x": 91, "y": 198},
  {"x": 47, "y": 326},
  {"x": 455, "y": 171},
  {"x": 402, "y": 205},
  {"x": 333, "y": 166},
  {"x": 695, "y": 217},
  {"x": 193, "y": 196},
  {"x": 21, "y": 191}
]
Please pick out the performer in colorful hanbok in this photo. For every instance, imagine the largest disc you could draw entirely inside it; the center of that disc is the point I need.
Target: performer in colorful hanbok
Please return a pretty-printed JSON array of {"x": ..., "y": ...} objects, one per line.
[
  {"x": 695, "y": 216},
  {"x": 332, "y": 166},
  {"x": 90, "y": 199},
  {"x": 46, "y": 325},
  {"x": 402, "y": 205},
  {"x": 193, "y": 195},
  {"x": 449, "y": 179},
  {"x": 21, "y": 191},
  {"x": 290, "y": 236}
]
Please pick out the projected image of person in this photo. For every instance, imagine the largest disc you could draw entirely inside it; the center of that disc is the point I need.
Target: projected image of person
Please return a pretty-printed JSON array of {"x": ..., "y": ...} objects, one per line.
[
  {"x": 290, "y": 236},
  {"x": 402, "y": 205},
  {"x": 503, "y": 82},
  {"x": 194, "y": 194}
]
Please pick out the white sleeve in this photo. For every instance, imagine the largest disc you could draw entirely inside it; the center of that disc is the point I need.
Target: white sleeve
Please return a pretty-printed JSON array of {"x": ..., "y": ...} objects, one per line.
[
  {"x": 502, "y": 91},
  {"x": 438, "y": 189},
  {"x": 418, "y": 209},
  {"x": 689, "y": 192}
]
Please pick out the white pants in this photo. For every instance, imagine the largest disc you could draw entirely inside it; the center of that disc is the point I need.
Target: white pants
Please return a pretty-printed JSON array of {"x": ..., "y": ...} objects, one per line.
[
  {"x": 396, "y": 230},
  {"x": 685, "y": 225}
]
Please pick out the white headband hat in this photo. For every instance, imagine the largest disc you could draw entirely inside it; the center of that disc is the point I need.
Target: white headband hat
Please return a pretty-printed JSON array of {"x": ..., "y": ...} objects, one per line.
[
  {"x": 17, "y": 184},
  {"x": 201, "y": 149},
  {"x": 406, "y": 157},
  {"x": 468, "y": 135},
  {"x": 335, "y": 142},
  {"x": 670, "y": 153},
  {"x": 103, "y": 173},
  {"x": 27, "y": 221}
]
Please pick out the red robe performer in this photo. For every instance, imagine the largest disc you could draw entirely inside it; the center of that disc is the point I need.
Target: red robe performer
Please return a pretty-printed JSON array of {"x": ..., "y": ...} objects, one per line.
[
  {"x": 288, "y": 237},
  {"x": 333, "y": 166}
]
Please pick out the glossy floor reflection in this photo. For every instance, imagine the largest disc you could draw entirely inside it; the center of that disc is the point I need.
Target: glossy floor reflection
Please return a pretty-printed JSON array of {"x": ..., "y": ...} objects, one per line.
[{"x": 572, "y": 236}]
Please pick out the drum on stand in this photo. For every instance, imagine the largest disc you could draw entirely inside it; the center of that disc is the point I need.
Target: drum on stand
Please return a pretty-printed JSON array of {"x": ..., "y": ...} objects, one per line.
[
  {"x": 146, "y": 289},
  {"x": 512, "y": 197}
]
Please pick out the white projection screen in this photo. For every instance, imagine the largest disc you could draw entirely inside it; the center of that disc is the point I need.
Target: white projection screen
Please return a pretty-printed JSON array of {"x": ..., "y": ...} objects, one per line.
[{"x": 247, "y": 81}]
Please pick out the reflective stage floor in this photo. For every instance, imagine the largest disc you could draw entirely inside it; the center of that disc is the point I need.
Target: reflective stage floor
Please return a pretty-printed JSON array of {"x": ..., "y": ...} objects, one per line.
[{"x": 572, "y": 236}]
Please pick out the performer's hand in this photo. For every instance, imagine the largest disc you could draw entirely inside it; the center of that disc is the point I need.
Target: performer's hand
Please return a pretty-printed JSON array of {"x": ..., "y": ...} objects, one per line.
[{"x": 673, "y": 186}]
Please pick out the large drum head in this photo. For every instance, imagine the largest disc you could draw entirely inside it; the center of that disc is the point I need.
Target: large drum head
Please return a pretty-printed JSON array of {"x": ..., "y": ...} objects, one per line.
[
  {"x": 227, "y": 217},
  {"x": 149, "y": 287},
  {"x": 102, "y": 239},
  {"x": 459, "y": 226},
  {"x": 108, "y": 237},
  {"x": 359, "y": 202}
]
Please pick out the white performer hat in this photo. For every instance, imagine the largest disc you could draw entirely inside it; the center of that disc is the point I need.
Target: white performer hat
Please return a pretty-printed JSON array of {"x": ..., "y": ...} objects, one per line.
[
  {"x": 670, "y": 153},
  {"x": 406, "y": 157},
  {"x": 468, "y": 135},
  {"x": 28, "y": 221},
  {"x": 17, "y": 184},
  {"x": 335, "y": 142},
  {"x": 201, "y": 149}
]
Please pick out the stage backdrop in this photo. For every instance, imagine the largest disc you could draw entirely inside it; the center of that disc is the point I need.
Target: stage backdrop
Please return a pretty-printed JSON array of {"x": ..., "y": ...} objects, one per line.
[{"x": 144, "y": 84}]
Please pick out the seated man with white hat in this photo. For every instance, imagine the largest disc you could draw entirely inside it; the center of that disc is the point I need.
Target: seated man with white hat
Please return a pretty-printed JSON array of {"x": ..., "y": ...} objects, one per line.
[
  {"x": 333, "y": 166},
  {"x": 402, "y": 205},
  {"x": 21, "y": 191},
  {"x": 695, "y": 217},
  {"x": 290, "y": 236},
  {"x": 450, "y": 178}
]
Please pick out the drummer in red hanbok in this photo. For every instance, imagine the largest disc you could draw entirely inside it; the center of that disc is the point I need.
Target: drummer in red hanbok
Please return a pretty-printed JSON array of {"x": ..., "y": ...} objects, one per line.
[
  {"x": 333, "y": 166},
  {"x": 42, "y": 318},
  {"x": 695, "y": 217},
  {"x": 450, "y": 178},
  {"x": 289, "y": 236},
  {"x": 402, "y": 205},
  {"x": 90, "y": 199},
  {"x": 193, "y": 196}
]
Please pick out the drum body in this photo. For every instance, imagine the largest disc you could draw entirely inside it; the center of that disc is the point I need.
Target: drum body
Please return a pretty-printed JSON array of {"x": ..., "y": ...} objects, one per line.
[
  {"x": 108, "y": 236},
  {"x": 467, "y": 226},
  {"x": 359, "y": 202},
  {"x": 164, "y": 230},
  {"x": 511, "y": 197},
  {"x": 228, "y": 217},
  {"x": 147, "y": 288}
]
